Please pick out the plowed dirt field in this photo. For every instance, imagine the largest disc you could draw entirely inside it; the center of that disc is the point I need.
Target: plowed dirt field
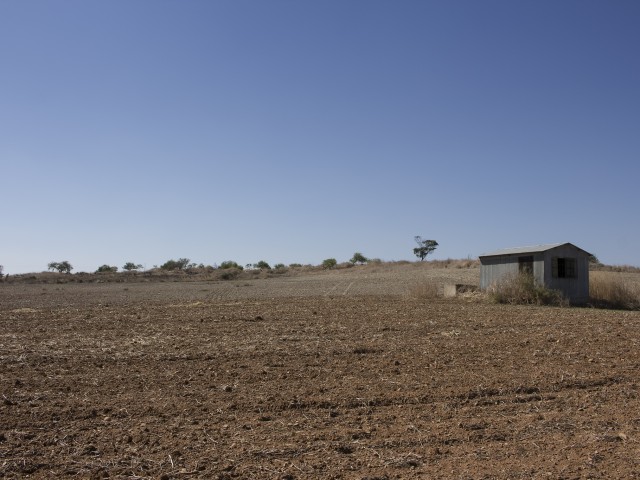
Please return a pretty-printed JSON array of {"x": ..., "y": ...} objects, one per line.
[{"x": 321, "y": 377}]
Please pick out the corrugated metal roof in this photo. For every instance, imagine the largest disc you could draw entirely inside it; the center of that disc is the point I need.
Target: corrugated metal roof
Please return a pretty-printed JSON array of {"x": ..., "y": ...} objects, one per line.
[{"x": 530, "y": 249}]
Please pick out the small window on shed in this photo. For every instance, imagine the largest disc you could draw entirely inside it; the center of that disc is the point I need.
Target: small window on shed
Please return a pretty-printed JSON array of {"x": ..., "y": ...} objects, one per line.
[
  {"x": 563, "y": 267},
  {"x": 525, "y": 264}
]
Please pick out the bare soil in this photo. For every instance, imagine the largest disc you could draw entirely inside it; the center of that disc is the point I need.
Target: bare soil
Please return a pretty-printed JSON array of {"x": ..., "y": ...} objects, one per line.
[{"x": 342, "y": 375}]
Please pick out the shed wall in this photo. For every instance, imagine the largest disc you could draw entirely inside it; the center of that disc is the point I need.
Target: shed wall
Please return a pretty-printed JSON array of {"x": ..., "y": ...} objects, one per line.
[
  {"x": 496, "y": 268},
  {"x": 575, "y": 289}
]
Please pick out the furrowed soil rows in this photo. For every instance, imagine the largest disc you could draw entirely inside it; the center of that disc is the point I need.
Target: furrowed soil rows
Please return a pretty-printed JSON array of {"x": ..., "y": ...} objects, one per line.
[{"x": 197, "y": 380}]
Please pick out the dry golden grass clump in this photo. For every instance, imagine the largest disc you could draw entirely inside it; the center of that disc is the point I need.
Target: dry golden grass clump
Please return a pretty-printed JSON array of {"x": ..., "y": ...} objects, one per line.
[
  {"x": 523, "y": 289},
  {"x": 426, "y": 289},
  {"x": 609, "y": 291}
]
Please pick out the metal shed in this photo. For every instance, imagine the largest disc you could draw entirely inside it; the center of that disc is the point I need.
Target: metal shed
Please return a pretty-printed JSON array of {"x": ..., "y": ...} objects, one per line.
[{"x": 559, "y": 266}]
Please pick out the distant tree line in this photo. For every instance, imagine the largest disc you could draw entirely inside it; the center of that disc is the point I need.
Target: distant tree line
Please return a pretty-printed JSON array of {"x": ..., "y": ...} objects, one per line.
[{"x": 424, "y": 248}]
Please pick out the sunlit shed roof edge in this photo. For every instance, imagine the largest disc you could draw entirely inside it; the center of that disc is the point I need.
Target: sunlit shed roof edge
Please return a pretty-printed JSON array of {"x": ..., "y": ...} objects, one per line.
[{"x": 529, "y": 249}]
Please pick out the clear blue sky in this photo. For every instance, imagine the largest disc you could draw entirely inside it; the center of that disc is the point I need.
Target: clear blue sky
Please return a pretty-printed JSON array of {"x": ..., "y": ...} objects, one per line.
[{"x": 293, "y": 131}]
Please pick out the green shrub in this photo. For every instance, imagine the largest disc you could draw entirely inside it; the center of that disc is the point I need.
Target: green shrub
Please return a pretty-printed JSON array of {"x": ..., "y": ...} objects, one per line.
[
  {"x": 230, "y": 273},
  {"x": 106, "y": 269},
  {"x": 179, "y": 264},
  {"x": 130, "y": 266},
  {"x": 329, "y": 263},
  {"x": 523, "y": 289},
  {"x": 62, "y": 267},
  {"x": 230, "y": 264},
  {"x": 358, "y": 258},
  {"x": 280, "y": 268},
  {"x": 295, "y": 265},
  {"x": 262, "y": 265}
]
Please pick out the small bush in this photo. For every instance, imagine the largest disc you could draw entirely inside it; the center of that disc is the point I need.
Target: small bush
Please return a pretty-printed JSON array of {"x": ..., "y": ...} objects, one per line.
[
  {"x": 62, "y": 267},
  {"x": 295, "y": 265},
  {"x": 358, "y": 258},
  {"x": 179, "y": 264},
  {"x": 130, "y": 266},
  {"x": 523, "y": 289},
  {"x": 280, "y": 268},
  {"x": 230, "y": 264},
  {"x": 329, "y": 263},
  {"x": 230, "y": 273},
  {"x": 612, "y": 292},
  {"x": 107, "y": 269},
  {"x": 262, "y": 265}
]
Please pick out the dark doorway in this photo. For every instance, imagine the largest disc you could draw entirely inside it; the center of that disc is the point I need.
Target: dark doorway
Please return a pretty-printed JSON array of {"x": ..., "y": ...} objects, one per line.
[{"x": 525, "y": 264}]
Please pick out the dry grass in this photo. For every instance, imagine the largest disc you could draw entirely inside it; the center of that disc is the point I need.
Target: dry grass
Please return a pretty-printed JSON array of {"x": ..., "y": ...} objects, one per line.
[
  {"x": 426, "y": 289},
  {"x": 523, "y": 289},
  {"x": 212, "y": 274},
  {"x": 599, "y": 267},
  {"x": 609, "y": 291},
  {"x": 455, "y": 263}
]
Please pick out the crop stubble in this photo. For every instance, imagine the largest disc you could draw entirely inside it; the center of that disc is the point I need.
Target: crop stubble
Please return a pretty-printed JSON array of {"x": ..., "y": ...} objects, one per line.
[{"x": 203, "y": 385}]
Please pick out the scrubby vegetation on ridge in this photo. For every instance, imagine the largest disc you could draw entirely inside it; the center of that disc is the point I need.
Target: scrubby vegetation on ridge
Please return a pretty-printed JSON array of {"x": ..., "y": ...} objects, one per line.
[
  {"x": 600, "y": 267},
  {"x": 609, "y": 287},
  {"x": 185, "y": 270}
]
